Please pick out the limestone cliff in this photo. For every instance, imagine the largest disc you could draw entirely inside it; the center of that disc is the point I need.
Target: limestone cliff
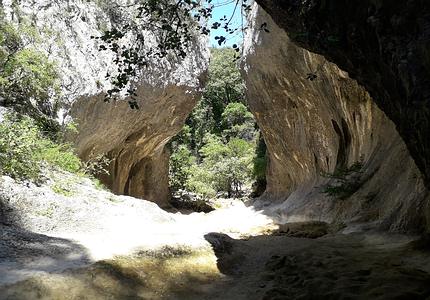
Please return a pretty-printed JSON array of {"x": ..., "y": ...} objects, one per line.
[
  {"x": 167, "y": 90},
  {"x": 384, "y": 45},
  {"x": 316, "y": 119}
]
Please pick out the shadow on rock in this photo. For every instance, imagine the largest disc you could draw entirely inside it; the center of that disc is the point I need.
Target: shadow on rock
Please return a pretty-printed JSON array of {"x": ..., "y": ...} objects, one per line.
[
  {"x": 24, "y": 253},
  {"x": 357, "y": 266},
  {"x": 8, "y": 215},
  {"x": 173, "y": 275},
  {"x": 229, "y": 256}
]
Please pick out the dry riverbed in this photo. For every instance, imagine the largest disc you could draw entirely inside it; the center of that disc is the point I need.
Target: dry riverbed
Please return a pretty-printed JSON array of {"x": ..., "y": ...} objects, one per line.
[{"x": 95, "y": 245}]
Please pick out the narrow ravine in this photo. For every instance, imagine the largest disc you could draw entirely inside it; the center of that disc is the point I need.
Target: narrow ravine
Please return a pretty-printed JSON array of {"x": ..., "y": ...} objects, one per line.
[{"x": 190, "y": 150}]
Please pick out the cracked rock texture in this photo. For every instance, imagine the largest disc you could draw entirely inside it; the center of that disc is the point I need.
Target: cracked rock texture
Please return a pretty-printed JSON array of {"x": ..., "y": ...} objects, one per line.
[
  {"x": 134, "y": 139},
  {"x": 316, "y": 119}
]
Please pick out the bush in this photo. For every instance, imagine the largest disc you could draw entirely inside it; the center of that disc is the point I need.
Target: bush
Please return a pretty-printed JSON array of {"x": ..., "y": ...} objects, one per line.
[
  {"x": 346, "y": 181},
  {"x": 96, "y": 165},
  {"x": 61, "y": 156},
  {"x": 200, "y": 182},
  {"x": 24, "y": 150},
  {"x": 29, "y": 81},
  {"x": 225, "y": 167},
  {"x": 19, "y": 145}
]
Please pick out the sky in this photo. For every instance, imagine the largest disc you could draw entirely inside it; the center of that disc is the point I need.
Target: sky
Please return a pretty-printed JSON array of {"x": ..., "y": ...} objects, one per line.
[{"x": 226, "y": 8}]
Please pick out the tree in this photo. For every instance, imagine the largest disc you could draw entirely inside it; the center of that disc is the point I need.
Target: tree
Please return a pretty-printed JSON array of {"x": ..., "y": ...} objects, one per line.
[
  {"x": 181, "y": 163},
  {"x": 219, "y": 136},
  {"x": 238, "y": 122},
  {"x": 225, "y": 85},
  {"x": 229, "y": 164}
]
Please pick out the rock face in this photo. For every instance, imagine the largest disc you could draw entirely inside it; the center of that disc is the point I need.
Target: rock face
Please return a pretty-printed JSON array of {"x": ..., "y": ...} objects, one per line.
[
  {"x": 384, "y": 45},
  {"x": 315, "y": 119},
  {"x": 133, "y": 139}
]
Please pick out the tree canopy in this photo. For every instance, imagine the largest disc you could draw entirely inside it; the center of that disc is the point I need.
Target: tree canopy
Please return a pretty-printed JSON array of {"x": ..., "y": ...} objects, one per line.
[{"x": 216, "y": 150}]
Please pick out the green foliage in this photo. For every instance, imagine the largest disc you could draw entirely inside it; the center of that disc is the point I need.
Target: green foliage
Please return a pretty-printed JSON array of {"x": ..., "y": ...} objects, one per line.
[
  {"x": 96, "y": 165},
  {"x": 24, "y": 150},
  {"x": 236, "y": 113},
  {"x": 71, "y": 128},
  {"x": 226, "y": 167},
  {"x": 224, "y": 86},
  {"x": 59, "y": 155},
  {"x": 200, "y": 182},
  {"x": 238, "y": 121},
  {"x": 225, "y": 81},
  {"x": 181, "y": 163},
  {"x": 19, "y": 149},
  {"x": 28, "y": 79},
  {"x": 345, "y": 181},
  {"x": 214, "y": 152},
  {"x": 175, "y": 24},
  {"x": 214, "y": 149}
]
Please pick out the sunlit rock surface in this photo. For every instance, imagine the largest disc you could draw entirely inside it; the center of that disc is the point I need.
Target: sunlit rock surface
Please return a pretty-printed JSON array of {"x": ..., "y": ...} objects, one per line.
[
  {"x": 315, "y": 119},
  {"x": 384, "y": 45},
  {"x": 167, "y": 91}
]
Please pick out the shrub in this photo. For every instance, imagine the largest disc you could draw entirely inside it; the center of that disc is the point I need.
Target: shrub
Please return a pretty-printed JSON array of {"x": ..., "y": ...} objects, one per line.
[
  {"x": 19, "y": 148},
  {"x": 225, "y": 167},
  {"x": 60, "y": 156},
  {"x": 24, "y": 150},
  {"x": 200, "y": 182},
  {"x": 346, "y": 181},
  {"x": 96, "y": 165},
  {"x": 29, "y": 81}
]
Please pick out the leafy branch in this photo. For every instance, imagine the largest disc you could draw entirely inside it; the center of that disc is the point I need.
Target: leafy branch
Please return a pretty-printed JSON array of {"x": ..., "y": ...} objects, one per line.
[
  {"x": 345, "y": 181},
  {"x": 175, "y": 25}
]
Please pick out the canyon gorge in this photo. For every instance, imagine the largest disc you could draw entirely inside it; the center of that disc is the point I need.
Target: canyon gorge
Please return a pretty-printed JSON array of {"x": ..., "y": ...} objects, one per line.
[{"x": 340, "y": 92}]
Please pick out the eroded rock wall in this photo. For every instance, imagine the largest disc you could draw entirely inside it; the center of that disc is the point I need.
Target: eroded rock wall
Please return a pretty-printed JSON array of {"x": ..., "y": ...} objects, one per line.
[
  {"x": 316, "y": 119},
  {"x": 384, "y": 45},
  {"x": 167, "y": 90}
]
